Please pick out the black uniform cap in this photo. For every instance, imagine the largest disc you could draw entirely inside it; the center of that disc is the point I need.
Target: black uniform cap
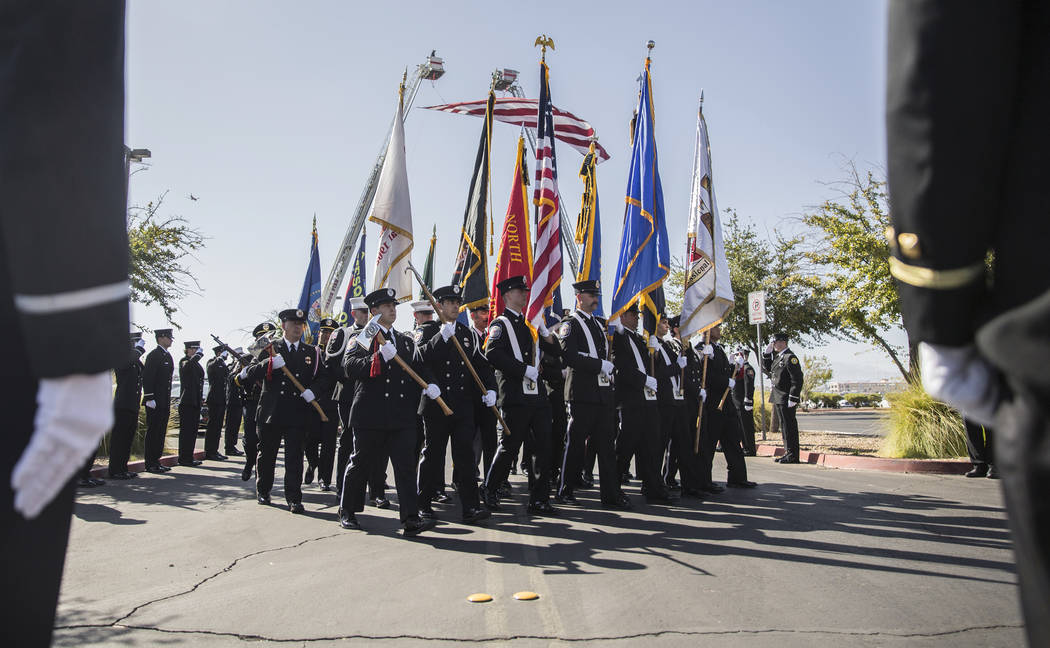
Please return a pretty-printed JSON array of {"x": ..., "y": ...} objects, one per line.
[
  {"x": 136, "y": 336},
  {"x": 511, "y": 283},
  {"x": 262, "y": 329},
  {"x": 448, "y": 292},
  {"x": 381, "y": 296},
  {"x": 218, "y": 349},
  {"x": 193, "y": 343},
  {"x": 163, "y": 333},
  {"x": 780, "y": 337},
  {"x": 675, "y": 321},
  {"x": 479, "y": 307},
  {"x": 633, "y": 308},
  {"x": 592, "y": 286},
  {"x": 292, "y": 315},
  {"x": 327, "y": 323}
]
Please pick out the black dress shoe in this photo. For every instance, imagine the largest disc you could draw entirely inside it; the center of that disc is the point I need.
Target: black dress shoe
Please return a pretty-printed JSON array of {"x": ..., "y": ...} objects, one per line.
[
  {"x": 427, "y": 512},
  {"x": 234, "y": 452},
  {"x": 296, "y": 507},
  {"x": 164, "y": 468},
  {"x": 542, "y": 508},
  {"x": 714, "y": 489},
  {"x": 660, "y": 498},
  {"x": 779, "y": 459},
  {"x": 790, "y": 460},
  {"x": 622, "y": 503},
  {"x": 121, "y": 476},
  {"x": 348, "y": 520},
  {"x": 567, "y": 498},
  {"x": 215, "y": 456},
  {"x": 262, "y": 499},
  {"x": 490, "y": 499},
  {"x": 156, "y": 470},
  {"x": 325, "y": 486},
  {"x": 308, "y": 478},
  {"x": 692, "y": 493},
  {"x": 475, "y": 515},
  {"x": 98, "y": 482},
  {"x": 980, "y": 470},
  {"x": 672, "y": 484},
  {"x": 442, "y": 498},
  {"x": 993, "y": 472},
  {"x": 415, "y": 526},
  {"x": 381, "y": 503},
  {"x": 190, "y": 464},
  {"x": 741, "y": 484},
  {"x": 86, "y": 483},
  {"x": 246, "y": 474}
]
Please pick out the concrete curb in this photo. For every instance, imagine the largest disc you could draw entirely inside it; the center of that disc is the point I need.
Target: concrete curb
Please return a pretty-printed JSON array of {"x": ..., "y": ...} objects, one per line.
[
  {"x": 140, "y": 466},
  {"x": 854, "y": 462}
]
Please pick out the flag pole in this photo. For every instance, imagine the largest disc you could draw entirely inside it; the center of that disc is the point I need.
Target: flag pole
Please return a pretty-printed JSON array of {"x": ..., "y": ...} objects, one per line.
[{"x": 703, "y": 385}]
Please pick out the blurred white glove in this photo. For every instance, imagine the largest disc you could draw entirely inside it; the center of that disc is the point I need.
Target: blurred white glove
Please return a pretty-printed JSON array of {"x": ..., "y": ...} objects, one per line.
[
  {"x": 654, "y": 342},
  {"x": 739, "y": 362},
  {"x": 448, "y": 330},
  {"x": 308, "y": 395},
  {"x": 682, "y": 361},
  {"x": 792, "y": 404},
  {"x": 708, "y": 350},
  {"x": 432, "y": 391},
  {"x": 244, "y": 374},
  {"x": 489, "y": 398},
  {"x": 650, "y": 382},
  {"x": 531, "y": 373},
  {"x": 388, "y": 351},
  {"x": 225, "y": 354},
  {"x": 616, "y": 327},
  {"x": 277, "y": 361},
  {"x": 72, "y": 414},
  {"x": 748, "y": 408},
  {"x": 769, "y": 348},
  {"x": 565, "y": 373},
  {"x": 732, "y": 383},
  {"x": 542, "y": 330},
  {"x": 140, "y": 344},
  {"x": 199, "y": 353},
  {"x": 960, "y": 377},
  {"x": 607, "y": 367},
  {"x": 703, "y": 395},
  {"x": 152, "y": 404}
]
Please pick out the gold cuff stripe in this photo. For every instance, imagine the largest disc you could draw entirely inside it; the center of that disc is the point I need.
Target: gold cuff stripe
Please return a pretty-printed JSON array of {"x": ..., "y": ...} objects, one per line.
[{"x": 935, "y": 279}]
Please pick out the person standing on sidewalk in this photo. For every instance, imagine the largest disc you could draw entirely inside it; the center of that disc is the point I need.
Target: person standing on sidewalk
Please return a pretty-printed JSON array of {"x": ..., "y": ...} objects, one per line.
[
  {"x": 126, "y": 411},
  {"x": 218, "y": 374},
  {"x": 744, "y": 398},
  {"x": 785, "y": 374},
  {"x": 191, "y": 396},
  {"x": 156, "y": 398}
]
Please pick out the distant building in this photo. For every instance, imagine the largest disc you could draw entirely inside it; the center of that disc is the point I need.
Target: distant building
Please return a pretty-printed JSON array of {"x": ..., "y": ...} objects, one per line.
[{"x": 884, "y": 386}]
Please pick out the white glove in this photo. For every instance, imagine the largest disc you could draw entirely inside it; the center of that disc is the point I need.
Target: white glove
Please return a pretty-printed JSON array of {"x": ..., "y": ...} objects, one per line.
[
  {"x": 654, "y": 342},
  {"x": 790, "y": 404},
  {"x": 388, "y": 351},
  {"x": 489, "y": 398},
  {"x": 199, "y": 353},
  {"x": 607, "y": 367},
  {"x": 732, "y": 383},
  {"x": 650, "y": 382},
  {"x": 225, "y": 354},
  {"x": 769, "y": 349},
  {"x": 616, "y": 327},
  {"x": 140, "y": 344},
  {"x": 278, "y": 361},
  {"x": 748, "y": 408},
  {"x": 73, "y": 412},
  {"x": 447, "y": 330},
  {"x": 244, "y": 374},
  {"x": 703, "y": 395},
  {"x": 308, "y": 395},
  {"x": 962, "y": 378},
  {"x": 531, "y": 373},
  {"x": 152, "y": 404},
  {"x": 682, "y": 361},
  {"x": 432, "y": 391},
  {"x": 708, "y": 350},
  {"x": 739, "y": 362},
  {"x": 542, "y": 330}
]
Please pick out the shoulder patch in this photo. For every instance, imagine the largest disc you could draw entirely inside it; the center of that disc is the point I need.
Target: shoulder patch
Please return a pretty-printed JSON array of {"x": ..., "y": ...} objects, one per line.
[
  {"x": 794, "y": 360},
  {"x": 495, "y": 332},
  {"x": 417, "y": 335},
  {"x": 563, "y": 330}
]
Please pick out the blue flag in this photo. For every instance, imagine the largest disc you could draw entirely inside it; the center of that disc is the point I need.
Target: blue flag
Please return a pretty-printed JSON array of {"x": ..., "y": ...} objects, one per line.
[
  {"x": 356, "y": 287},
  {"x": 589, "y": 226},
  {"x": 310, "y": 300},
  {"x": 645, "y": 257}
]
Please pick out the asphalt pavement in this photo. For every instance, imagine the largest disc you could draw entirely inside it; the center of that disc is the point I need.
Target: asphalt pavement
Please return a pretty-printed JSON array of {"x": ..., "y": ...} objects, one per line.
[
  {"x": 813, "y": 555},
  {"x": 867, "y": 422}
]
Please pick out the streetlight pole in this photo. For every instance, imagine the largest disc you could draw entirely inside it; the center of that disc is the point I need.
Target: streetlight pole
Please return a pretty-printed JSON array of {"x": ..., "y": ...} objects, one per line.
[{"x": 131, "y": 155}]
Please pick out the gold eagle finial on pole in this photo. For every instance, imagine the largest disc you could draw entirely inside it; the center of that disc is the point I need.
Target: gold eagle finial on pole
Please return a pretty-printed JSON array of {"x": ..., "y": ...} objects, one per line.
[{"x": 544, "y": 41}]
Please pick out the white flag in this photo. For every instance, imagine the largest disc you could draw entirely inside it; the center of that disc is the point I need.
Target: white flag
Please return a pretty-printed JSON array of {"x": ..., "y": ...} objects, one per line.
[
  {"x": 708, "y": 289},
  {"x": 392, "y": 208}
]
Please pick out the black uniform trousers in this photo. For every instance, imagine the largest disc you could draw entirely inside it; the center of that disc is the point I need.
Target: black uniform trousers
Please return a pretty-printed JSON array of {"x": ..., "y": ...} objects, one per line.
[
  {"x": 270, "y": 436},
  {"x": 459, "y": 428},
  {"x": 722, "y": 426},
  {"x": 216, "y": 418},
  {"x": 559, "y": 422},
  {"x": 156, "y": 430},
  {"x": 640, "y": 437},
  {"x": 532, "y": 422},
  {"x": 594, "y": 424},
  {"x": 789, "y": 429},
  {"x": 674, "y": 426},
  {"x": 125, "y": 424},
  {"x": 189, "y": 422},
  {"x": 233, "y": 426},
  {"x": 747, "y": 428},
  {"x": 371, "y": 449},
  {"x": 486, "y": 440},
  {"x": 320, "y": 441},
  {"x": 979, "y": 444},
  {"x": 377, "y": 480},
  {"x": 251, "y": 433}
]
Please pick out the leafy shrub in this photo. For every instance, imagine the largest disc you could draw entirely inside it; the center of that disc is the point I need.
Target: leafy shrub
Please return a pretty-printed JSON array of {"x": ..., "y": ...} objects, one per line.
[{"x": 922, "y": 427}]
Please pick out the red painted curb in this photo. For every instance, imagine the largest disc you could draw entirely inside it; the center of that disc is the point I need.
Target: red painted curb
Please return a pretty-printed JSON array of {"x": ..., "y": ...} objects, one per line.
[
  {"x": 140, "y": 466},
  {"x": 857, "y": 462}
]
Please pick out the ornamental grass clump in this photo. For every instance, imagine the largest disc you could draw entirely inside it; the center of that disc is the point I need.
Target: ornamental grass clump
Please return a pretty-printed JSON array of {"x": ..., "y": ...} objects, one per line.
[{"x": 922, "y": 427}]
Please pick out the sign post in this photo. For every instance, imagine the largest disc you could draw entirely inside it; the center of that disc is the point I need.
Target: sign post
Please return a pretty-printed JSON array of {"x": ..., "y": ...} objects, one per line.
[{"x": 756, "y": 312}]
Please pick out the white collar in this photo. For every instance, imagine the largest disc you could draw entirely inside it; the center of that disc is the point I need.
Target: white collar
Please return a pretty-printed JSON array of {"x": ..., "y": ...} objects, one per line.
[{"x": 512, "y": 311}]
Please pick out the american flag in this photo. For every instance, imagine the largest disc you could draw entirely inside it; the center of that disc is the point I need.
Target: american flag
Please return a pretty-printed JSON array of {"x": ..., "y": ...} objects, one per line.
[
  {"x": 567, "y": 127},
  {"x": 546, "y": 267}
]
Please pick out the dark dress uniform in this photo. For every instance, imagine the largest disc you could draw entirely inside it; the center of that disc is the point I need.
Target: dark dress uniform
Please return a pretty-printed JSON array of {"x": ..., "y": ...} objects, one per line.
[
  {"x": 967, "y": 178},
  {"x": 460, "y": 394},
  {"x": 234, "y": 411},
  {"x": 486, "y": 438},
  {"x": 125, "y": 413},
  {"x": 320, "y": 441},
  {"x": 156, "y": 386},
  {"x": 383, "y": 417},
  {"x": 527, "y": 415},
  {"x": 639, "y": 417},
  {"x": 191, "y": 396},
  {"x": 285, "y": 415},
  {"x": 421, "y": 335},
  {"x": 252, "y": 389},
  {"x": 551, "y": 372},
  {"x": 721, "y": 425},
  {"x": 218, "y": 375},
  {"x": 592, "y": 408},
  {"x": 673, "y": 427},
  {"x": 981, "y": 449},
  {"x": 744, "y": 402},
  {"x": 785, "y": 375},
  {"x": 63, "y": 237}
]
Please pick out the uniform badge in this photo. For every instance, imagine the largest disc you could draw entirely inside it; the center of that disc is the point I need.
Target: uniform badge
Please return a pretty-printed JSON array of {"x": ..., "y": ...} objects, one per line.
[
  {"x": 495, "y": 331},
  {"x": 308, "y": 360},
  {"x": 563, "y": 330},
  {"x": 417, "y": 335},
  {"x": 794, "y": 360},
  {"x": 298, "y": 313}
]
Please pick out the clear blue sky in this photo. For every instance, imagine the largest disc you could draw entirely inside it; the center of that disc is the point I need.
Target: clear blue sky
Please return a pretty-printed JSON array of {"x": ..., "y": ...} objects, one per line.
[{"x": 270, "y": 112}]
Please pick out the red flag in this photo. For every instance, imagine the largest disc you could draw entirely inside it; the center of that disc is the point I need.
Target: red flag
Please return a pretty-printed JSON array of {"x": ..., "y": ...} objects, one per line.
[{"x": 515, "y": 247}]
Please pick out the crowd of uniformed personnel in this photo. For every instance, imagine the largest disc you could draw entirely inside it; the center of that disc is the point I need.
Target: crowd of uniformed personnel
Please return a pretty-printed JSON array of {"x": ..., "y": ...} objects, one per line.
[{"x": 367, "y": 396}]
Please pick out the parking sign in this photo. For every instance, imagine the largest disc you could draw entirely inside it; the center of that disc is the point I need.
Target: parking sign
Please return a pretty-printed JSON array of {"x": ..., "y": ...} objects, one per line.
[{"x": 756, "y": 307}]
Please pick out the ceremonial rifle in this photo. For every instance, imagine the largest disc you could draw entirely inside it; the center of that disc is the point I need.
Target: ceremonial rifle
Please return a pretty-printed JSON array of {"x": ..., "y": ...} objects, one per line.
[{"x": 244, "y": 359}]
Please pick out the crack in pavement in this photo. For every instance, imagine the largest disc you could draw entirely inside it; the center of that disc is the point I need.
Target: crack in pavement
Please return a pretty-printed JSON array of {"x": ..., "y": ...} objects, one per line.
[{"x": 525, "y": 637}]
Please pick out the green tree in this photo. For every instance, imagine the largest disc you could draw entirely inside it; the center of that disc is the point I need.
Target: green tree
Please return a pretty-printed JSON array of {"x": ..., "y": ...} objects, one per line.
[
  {"x": 853, "y": 250},
  {"x": 159, "y": 247},
  {"x": 816, "y": 371}
]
